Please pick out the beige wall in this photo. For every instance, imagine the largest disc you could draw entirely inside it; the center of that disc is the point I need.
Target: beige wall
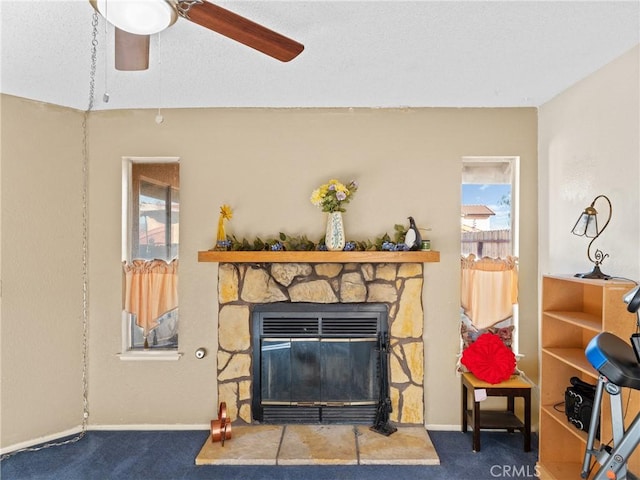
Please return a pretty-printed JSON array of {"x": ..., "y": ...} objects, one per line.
[
  {"x": 41, "y": 270},
  {"x": 590, "y": 145},
  {"x": 265, "y": 163}
]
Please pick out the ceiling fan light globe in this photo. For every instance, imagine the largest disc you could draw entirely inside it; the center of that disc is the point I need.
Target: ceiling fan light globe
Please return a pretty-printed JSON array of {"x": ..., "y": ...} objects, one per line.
[{"x": 141, "y": 17}]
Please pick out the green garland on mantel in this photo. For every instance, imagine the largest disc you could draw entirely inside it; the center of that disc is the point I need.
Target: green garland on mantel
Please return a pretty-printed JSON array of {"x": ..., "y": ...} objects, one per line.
[{"x": 300, "y": 243}]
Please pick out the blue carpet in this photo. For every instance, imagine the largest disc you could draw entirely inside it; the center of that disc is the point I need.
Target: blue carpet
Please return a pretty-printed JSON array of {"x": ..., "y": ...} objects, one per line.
[{"x": 170, "y": 455}]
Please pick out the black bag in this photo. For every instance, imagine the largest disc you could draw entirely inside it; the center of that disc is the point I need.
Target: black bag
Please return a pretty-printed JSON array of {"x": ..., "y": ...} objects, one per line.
[{"x": 578, "y": 404}]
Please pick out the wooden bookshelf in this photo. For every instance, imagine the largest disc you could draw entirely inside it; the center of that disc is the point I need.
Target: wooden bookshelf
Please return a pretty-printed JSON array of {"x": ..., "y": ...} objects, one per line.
[{"x": 574, "y": 311}]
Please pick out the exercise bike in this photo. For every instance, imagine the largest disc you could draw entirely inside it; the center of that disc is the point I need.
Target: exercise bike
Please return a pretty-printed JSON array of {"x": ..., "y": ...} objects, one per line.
[{"x": 618, "y": 365}]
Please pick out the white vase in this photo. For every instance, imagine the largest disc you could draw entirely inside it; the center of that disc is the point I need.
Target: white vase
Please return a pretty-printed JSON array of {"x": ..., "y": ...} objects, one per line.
[{"x": 334, "y": 238}]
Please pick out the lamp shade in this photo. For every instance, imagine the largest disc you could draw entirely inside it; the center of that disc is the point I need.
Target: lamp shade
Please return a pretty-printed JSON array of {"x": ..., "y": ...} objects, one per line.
[
  {"x": 142, "y": 17},
  {"x": 587, "y": 224}
]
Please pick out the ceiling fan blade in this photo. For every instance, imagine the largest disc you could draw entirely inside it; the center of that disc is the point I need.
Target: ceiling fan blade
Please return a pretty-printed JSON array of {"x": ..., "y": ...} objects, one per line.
[
  {"x": 240, "y": 29},
  {"x": 132, "y": 51}
]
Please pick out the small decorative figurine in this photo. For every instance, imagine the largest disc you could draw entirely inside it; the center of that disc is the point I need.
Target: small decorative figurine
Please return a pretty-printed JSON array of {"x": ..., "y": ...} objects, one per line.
[
  {"x": 221, "y": 239},
  {"x": 413, "y": 239}
]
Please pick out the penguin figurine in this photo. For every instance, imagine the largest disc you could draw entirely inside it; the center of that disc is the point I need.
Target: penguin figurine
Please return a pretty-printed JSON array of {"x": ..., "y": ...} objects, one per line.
[{"x": 412, "y": 239}]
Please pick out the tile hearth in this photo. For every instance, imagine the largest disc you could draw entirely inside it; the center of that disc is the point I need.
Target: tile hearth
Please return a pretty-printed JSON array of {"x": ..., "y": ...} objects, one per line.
[{"x": 320, "y": 445}]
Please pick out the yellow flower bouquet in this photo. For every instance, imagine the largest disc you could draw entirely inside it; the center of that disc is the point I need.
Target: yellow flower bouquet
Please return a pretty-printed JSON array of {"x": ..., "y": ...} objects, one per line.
[{"x": 331, "y": 196}]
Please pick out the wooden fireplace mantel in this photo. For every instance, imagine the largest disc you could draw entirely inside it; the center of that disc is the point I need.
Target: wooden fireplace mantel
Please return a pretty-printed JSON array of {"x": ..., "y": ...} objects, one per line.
[{"x": 317, "y": 257}]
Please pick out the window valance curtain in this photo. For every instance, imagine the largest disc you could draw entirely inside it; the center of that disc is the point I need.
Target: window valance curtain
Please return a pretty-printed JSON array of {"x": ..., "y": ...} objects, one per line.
[
  {"x": 151, "y": 290},
  {"x": 489, "y": 289}
]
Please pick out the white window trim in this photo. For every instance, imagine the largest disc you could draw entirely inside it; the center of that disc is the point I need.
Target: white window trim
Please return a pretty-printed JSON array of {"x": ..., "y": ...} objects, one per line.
[{"x": 152, "y": 355}]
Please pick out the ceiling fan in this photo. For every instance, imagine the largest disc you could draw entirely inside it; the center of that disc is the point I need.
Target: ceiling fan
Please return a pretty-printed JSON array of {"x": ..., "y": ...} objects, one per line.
[{"x": 136, "y": 20}]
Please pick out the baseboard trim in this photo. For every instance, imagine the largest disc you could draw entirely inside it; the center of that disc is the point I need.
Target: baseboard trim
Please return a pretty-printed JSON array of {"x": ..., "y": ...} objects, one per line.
[
  {"x": 153, "y": 427},
  {"x": 54, "y": 437},
  {"x": 458, "y": 428},
  {"x": 443, "y": 428}
]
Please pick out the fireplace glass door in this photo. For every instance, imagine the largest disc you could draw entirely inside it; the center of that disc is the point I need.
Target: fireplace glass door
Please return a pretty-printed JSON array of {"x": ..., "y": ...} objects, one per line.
[
  {"x": 314, "y": 371},
  {"x": 317, "y": 363}
]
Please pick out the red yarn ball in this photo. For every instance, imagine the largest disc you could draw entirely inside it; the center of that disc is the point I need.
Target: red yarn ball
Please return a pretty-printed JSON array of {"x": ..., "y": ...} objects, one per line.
[{"x": 489, "y": 359}]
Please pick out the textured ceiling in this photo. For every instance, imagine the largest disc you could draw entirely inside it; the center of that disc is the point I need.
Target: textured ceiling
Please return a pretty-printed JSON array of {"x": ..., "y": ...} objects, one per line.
[{"x": 357, "y": 54}]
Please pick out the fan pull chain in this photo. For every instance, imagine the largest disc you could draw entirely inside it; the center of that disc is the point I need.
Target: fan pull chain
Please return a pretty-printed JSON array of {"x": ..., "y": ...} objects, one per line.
[
  {"x": 159, "y": 117},
  {"x": 85, "y": 258},
  {"x": 105, "y": 96}
]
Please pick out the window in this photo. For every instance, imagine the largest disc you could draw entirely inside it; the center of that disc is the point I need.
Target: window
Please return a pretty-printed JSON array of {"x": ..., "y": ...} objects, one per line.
[
  {"x": 156, "y": 232},
  {"x": 489, "y": 228},
  {"x": 489, "y": 207},
  {"x": 151, "y": 206}
]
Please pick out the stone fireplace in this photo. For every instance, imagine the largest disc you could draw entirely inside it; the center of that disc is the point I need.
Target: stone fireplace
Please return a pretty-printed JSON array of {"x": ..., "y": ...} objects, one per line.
[{"x": 243, "y": 286}]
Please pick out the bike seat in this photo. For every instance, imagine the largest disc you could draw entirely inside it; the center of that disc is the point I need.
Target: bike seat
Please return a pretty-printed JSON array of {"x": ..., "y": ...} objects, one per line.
[{"x": 615, "y": 359}]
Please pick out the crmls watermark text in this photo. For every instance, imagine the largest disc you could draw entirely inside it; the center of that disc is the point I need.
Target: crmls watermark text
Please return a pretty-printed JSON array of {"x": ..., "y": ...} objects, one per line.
[{"x": 514, "y": 471}]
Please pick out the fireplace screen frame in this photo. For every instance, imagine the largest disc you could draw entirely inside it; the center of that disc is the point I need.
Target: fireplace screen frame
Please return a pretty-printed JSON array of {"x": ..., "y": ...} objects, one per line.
[{"x": 309, "y": 332}]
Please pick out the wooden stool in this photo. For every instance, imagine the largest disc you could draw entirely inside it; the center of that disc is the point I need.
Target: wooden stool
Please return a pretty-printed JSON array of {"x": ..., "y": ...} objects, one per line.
[{"x": 490, "y": 419}]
